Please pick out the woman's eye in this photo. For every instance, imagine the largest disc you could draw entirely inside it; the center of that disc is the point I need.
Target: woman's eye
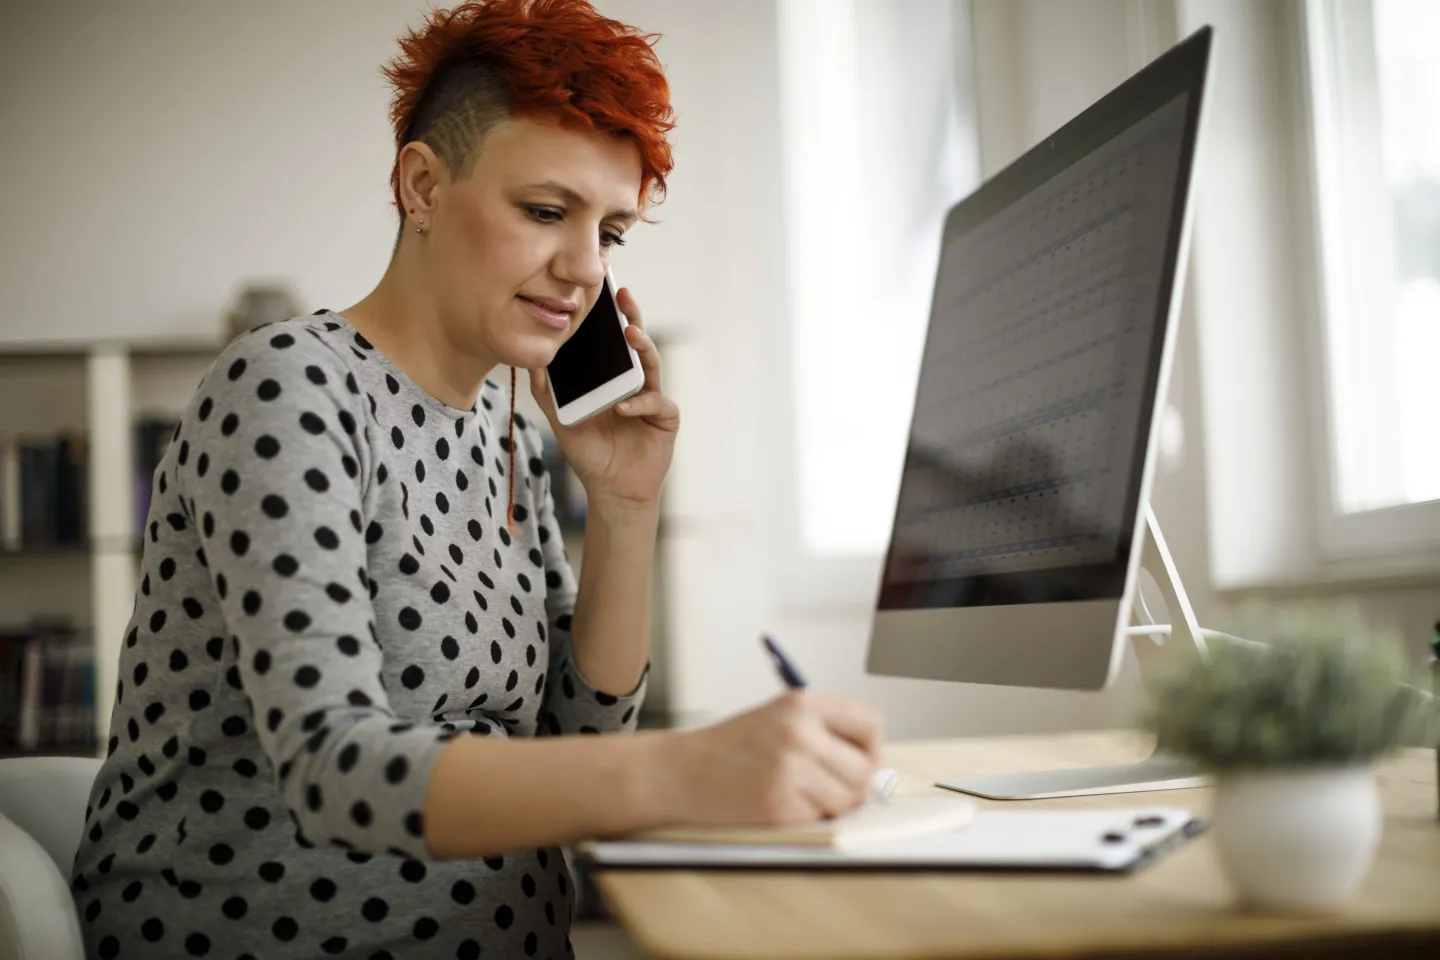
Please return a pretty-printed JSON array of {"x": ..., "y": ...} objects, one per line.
[{"x": 608, "y": 238}]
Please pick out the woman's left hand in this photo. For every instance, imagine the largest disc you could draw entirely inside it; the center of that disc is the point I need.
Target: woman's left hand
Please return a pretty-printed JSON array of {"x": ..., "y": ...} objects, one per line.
[{"x": 622, "y": 454}]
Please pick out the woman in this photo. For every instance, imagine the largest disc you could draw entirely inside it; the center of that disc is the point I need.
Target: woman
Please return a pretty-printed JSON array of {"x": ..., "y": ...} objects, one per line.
[{"x": 358, "y": 653}]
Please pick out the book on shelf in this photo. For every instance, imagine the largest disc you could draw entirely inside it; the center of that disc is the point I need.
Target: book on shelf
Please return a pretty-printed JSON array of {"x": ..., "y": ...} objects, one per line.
[
  {"x": 43, "y": 490},
  {"x": 44, "y": 481},
  {"x": 47, "y": 688},
  {"x": 9, "y": 494}
]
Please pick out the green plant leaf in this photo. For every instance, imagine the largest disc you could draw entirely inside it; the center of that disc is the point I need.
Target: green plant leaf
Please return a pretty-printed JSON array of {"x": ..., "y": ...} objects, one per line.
[{"x": 1313, "y": 693}]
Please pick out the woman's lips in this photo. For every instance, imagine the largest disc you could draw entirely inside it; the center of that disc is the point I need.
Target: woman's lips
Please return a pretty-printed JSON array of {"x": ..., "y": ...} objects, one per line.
[{"x": 547, "y": 313}]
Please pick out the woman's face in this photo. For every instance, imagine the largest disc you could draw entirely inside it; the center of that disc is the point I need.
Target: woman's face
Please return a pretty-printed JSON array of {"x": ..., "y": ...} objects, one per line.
[{"x": 517, "y": 250}]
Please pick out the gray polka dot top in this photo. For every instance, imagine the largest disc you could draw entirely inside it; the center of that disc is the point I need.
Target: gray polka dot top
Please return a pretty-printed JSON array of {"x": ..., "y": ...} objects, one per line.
[{"x": 329, "y": 593}]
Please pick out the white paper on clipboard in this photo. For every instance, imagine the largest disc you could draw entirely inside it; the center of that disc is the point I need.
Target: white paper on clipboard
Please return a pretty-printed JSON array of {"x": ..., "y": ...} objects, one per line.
[{"x": 1117, "y": 840}]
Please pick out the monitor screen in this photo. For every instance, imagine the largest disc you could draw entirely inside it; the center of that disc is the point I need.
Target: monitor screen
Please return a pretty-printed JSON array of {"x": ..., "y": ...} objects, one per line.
[{"x": 1036, "y": 391}]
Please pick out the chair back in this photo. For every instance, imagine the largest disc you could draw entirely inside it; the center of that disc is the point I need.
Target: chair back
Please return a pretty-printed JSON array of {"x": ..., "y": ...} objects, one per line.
[{"x": 46, "y": 797}]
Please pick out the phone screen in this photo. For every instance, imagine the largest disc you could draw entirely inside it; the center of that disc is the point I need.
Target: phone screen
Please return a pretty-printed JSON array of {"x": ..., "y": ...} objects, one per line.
[{"x": 594, "y": 355}]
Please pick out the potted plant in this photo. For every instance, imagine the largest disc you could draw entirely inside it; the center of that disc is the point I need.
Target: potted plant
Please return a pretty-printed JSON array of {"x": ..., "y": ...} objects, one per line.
[{"x": 1290, "y": 729}]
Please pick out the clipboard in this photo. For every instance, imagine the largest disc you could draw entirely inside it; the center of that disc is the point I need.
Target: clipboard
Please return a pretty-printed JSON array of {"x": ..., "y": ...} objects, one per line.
[{"x": 1114, "y": 842}]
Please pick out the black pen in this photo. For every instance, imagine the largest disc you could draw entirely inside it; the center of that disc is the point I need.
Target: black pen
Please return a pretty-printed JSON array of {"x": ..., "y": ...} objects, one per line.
[
  {"x": 787, "y": 670},
  {"x": 884, "y": 781}
]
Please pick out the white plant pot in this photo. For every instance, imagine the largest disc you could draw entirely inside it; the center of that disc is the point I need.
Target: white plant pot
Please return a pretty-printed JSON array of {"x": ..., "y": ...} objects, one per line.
[{"x": 1297, "y": 840}]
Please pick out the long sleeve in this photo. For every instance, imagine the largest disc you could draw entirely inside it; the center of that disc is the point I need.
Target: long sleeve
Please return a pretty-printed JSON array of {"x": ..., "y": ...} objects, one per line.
[
  {"x": 274, "y": 458},
  {"x": 572, "y": 704}
]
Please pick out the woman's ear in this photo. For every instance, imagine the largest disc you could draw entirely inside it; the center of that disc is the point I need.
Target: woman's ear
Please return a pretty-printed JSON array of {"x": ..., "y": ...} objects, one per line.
[{"x": 421, "y": 171}]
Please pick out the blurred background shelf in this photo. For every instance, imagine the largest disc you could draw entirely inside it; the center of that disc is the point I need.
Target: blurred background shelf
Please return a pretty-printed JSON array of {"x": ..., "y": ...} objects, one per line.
[
  {"x": 52, "y": 750},
  {"x": 35, "y": 550},
  {"x": 81, "y": 426},
  {"x": 200, "y": 348},
  {"x": 75, "y": 548}
]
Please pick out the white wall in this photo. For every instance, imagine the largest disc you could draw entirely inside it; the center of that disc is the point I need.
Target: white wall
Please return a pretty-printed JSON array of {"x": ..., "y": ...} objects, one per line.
[
  {"x": 1254, "y": 308},
  {"x": 158, "y": 152}
]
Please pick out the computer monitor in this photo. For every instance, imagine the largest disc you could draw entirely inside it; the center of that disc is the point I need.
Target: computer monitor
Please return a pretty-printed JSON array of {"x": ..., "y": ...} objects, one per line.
[{"x": 1022, "y": 518}]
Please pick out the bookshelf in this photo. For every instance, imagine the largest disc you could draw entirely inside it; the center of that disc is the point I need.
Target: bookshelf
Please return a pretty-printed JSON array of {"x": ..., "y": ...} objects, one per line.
[
  {"x": 78, "y": 573},
  {"x": 101, "y": 391}
]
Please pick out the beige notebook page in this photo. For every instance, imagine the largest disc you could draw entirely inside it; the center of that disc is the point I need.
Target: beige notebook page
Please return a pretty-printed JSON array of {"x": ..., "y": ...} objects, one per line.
[{"x": 902, "y": 817}]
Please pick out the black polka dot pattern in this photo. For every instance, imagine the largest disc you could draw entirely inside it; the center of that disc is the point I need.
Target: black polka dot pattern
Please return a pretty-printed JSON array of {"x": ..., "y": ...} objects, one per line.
[{"x": 326, "y": 599}]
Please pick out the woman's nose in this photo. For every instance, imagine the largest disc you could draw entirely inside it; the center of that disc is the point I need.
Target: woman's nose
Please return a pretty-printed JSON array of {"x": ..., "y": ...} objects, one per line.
[{"x": 581, "y": 262}]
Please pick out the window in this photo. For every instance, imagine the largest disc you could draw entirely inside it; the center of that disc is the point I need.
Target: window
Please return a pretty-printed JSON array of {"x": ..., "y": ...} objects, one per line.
[
  {"x": 1374, "y": 85},
  {"x": 878, "y": 143},
  {"x": 1376, "y": 90},
  {"x": 1407, "y": 39}
]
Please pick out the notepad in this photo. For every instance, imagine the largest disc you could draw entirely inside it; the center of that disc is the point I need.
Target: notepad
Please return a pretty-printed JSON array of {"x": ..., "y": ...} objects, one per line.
[{"x": 903, "y": 817}]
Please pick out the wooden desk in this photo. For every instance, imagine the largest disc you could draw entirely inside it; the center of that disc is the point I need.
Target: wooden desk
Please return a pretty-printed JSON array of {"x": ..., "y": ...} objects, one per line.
[{"x": 1178, "y": 907}]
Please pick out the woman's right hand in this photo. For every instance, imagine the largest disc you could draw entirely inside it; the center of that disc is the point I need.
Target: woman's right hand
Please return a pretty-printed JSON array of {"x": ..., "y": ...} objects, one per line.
[{"x": 801, "y": 757}]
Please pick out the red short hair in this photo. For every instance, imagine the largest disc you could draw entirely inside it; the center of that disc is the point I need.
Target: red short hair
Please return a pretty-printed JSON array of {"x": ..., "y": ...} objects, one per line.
[{"x": 541, "y": 58}]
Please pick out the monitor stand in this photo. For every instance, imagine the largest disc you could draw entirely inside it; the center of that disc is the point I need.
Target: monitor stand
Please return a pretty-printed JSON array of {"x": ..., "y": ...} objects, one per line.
[{"x": 1155, "y": 645}]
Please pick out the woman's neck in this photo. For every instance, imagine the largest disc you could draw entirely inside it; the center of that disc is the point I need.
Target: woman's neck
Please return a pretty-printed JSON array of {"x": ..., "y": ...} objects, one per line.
[{"x": 407, "y": 328}]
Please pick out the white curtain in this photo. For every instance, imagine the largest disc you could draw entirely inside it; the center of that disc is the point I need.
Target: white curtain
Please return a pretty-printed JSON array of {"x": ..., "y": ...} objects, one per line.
[{"x": 879, "y": 141}]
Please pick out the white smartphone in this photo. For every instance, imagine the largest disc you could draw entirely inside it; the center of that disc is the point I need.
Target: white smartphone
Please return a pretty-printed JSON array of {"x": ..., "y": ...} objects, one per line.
[{"x": 596, "y": 368}]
